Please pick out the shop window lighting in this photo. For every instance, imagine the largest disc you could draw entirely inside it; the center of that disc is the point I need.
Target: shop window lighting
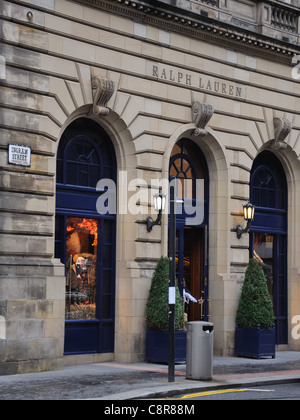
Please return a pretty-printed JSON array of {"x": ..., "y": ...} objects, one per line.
[
  {"x": 159, "y": 205},
  {"x": 248, "y": 210}
]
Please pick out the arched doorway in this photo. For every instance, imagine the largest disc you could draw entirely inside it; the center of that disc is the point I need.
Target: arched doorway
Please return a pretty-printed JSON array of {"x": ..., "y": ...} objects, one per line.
[
  {"x": 188, "y": 167},
  {"x": 268, "y": 239},
  {"x": 84, "y": 239}
]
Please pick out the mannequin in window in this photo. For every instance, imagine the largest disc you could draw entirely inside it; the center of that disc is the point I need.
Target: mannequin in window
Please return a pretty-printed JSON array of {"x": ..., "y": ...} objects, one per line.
[{"x": 187, "y": 298}]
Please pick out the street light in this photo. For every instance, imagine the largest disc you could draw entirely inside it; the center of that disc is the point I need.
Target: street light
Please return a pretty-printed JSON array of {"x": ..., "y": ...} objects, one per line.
[
  {"x": 248, "y": 210},
  {"x": 172, "y": 293},
  {"x": 159, "y": 205}
]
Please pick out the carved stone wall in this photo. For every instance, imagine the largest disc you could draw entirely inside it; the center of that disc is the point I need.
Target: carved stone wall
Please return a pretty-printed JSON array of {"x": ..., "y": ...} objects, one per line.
[{"x": 140, "y": 73}]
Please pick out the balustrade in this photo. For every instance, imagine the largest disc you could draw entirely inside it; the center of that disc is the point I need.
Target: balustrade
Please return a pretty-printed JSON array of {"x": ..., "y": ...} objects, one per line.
[{"x": 284, "y": 19}]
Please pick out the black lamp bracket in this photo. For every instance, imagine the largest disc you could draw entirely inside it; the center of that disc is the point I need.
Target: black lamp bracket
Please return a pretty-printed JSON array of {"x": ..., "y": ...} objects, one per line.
[
  {"x": 150, "y": 222},
  {"x": 240, "y": 230}
]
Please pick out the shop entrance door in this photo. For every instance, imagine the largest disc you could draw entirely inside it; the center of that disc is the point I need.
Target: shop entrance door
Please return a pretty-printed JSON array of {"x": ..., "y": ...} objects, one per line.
[
  {"x": 191, "y": 267},
  {"x": 189, "y": 168},
  {"x": 269, "y": 250}
]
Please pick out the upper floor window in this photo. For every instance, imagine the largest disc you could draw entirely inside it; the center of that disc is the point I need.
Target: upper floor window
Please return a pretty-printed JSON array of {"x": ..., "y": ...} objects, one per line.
[
  {"x": 186, "y": 168},
  {"x": 84, "y": 155},
  {"x": 268, "y": 188}
]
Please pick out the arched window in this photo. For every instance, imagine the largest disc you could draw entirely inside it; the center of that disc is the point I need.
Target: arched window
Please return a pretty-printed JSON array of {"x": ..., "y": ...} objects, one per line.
[
  {"x": 268, "y": 186},
  {"x": 85, "y": 239},
  {"x": 83, "y": 159},
  {"x": 268, "y": 245},
  {"x": 82, "y": 163},
  {"x": 186, "y": 166}
]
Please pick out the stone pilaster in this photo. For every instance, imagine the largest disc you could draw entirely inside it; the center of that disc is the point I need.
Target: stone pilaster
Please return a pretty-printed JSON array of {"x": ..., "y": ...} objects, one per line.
[{"x": 32, "y": 314}]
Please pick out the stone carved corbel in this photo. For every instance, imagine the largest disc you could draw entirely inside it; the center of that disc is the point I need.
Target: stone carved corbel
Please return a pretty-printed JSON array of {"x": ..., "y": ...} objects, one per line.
[
  {"x": 282, "y": 128},
  {"x": 201, "y": 114},
  {"x": 103, "y": 90}
]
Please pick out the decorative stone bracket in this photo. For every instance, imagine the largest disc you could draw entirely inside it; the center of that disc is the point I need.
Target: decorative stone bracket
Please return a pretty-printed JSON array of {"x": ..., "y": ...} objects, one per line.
[
  {"x": 282, "y": 128},
  {"x": 201, "y": 114},
  {"x": 103, "y": 90}
]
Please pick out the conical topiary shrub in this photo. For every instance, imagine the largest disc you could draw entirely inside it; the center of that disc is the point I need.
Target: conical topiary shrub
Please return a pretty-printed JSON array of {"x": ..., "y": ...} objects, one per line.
[
  {"x": 158, "y": 301},
  {"x": 255, "y": 306},
  {"x": 255, "y": 331},
  {"x": 157, "y": 316}
]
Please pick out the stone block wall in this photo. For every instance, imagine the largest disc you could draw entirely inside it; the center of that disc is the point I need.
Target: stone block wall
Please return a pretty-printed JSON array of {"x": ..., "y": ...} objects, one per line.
[
  {"x": 32, "y": 309},
  {"x": 160, "y": 67}
]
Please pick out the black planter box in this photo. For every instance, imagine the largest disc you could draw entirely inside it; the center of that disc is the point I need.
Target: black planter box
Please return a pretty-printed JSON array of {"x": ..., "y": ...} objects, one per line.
[
  {"x": 157, "y": 346},
  {"x": 255, "y": 342}
]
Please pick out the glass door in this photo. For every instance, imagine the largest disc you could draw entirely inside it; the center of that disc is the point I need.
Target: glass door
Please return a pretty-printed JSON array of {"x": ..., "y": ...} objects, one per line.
[
  {"x": 269, "y": 249},
  {"x": 263, "y": 252},
  {"x": 191, "y": 270}
]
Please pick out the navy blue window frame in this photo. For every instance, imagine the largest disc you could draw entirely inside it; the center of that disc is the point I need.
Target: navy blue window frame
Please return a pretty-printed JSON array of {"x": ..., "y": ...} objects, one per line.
[
  {"x": 270, "y": 200},
  {"x": 193, "y": 155},
  {"x": 74, "y": 199}
]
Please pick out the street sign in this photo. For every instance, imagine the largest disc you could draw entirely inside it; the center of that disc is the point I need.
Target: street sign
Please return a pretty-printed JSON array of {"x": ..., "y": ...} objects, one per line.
[{"x": 19, "y": 155}]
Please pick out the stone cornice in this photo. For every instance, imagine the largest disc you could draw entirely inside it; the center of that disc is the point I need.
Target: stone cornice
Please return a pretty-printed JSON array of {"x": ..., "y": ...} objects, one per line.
[{"x": 198, "y": 26}]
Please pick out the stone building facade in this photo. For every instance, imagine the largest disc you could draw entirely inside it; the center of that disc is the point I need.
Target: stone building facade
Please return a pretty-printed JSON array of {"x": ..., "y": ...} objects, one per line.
[{"x": 135, "y": 92}]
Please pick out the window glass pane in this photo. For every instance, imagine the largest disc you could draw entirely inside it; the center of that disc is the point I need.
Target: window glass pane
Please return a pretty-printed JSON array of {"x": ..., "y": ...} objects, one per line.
[
  {"x": 82, "y": 164},
  {"x": 176, "y": 150},
  {"x": 106, "y": 256},
  {"x": 108, "y": 172},
  {"x": 177, "y": 165},
  {"x": 106, "y": 307},
  {"x": 263, "y": 253},
  {"x": 185, "y": 167},
  {"x": 188, "y": 188},
  {"x": 72, "y": 154},
  {"x": 107, "y": 280},
  {"x": 180, "y": 188},
  {"x": 59, "y": 171},
  {"x": 264, "y": 188},
  {"x": 71, "y": 173},
  {"x": 83, "y": 174},
  {"x": 59, "y": 247},
  {"x": 81, "y": 268},
  {"x": 173, "y": 171}
]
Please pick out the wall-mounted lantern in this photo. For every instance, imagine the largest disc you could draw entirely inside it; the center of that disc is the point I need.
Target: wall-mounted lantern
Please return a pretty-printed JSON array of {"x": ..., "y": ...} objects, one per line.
[
  {"x": 248, "y": 210},
  {"x": 159, "y": 205}
]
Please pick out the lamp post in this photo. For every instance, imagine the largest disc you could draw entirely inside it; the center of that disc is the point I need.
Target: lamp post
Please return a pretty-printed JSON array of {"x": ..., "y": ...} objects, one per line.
[
  {"x": 172, "y": 294},
  {"x": 159, "y": 205},
  {"x": 248, "y": 210}
]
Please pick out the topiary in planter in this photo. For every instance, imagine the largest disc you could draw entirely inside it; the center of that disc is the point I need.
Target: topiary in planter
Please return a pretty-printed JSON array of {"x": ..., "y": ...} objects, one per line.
[
  {"x": 255, "y": 331},
  {"x": 158, "y": 301},
  {"x": 255, "y": 306},
  {"x": 157, "y": 334}
]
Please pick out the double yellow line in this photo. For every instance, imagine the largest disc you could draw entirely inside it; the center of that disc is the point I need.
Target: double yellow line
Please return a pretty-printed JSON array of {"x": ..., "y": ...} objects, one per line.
[{"x": 203, "y": 394}]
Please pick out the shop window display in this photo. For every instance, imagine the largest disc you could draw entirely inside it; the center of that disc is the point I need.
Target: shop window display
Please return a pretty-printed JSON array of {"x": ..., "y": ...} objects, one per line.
[{"x": 81, "y": 268}]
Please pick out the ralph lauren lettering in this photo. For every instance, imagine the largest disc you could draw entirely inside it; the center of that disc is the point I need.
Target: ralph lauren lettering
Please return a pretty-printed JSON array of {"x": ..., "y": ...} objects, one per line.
[{"x": 214, "y": 85}]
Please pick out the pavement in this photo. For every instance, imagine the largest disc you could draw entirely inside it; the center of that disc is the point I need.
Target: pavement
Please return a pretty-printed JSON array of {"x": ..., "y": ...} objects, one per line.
[{"x": 120, "y": 381}]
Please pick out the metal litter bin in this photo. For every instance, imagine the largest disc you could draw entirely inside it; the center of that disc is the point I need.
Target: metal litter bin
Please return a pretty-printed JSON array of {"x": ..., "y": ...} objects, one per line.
[{"x": 199, "y": 350}]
